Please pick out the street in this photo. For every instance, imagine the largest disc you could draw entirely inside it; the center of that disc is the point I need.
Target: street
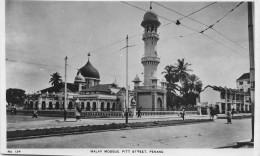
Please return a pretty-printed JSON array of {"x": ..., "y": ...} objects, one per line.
[{"x": 202, "y": 135}]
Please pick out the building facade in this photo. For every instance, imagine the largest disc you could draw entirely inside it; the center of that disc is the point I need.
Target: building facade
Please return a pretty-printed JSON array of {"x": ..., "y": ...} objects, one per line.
[
  {"x": 223, "y": 99},
  {"x": 150, "y": 96},
  {"x": 85, "y": 92}
]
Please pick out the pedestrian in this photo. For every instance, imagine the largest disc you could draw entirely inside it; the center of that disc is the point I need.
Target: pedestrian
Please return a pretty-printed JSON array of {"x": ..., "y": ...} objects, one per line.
[
  {"x": 183, "y": 113},
  {"x": 123, "y": 114},
  {"x": 35, "y": 115},
  {"x": 139, "y": 113},
  {"x": 229, "y": 117},
  {"x": 212, "y": 113},
  {"x": 77, "y": 113},
  {"x": 233, "y": 111},
  {"x": 65, "y": 115}
]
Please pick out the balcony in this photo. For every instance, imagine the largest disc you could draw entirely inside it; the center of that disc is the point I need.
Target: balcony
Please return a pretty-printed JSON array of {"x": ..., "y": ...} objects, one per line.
[
  {"x": 150, "y": 34},
  {"x": 149, "y": 58},
  {"x": 149, "y": 87}
]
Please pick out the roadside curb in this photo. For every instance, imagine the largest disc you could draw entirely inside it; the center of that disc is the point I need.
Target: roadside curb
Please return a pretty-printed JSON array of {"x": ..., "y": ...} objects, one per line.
[{"x": 62, "y": 131}]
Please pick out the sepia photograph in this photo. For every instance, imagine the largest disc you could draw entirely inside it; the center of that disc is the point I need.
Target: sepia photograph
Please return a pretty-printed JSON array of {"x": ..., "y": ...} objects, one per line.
[{"x": 129, "y": 78}]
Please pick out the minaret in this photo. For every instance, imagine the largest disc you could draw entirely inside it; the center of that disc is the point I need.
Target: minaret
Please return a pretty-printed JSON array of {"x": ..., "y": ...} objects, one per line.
[{"x": 150, "y": 60}]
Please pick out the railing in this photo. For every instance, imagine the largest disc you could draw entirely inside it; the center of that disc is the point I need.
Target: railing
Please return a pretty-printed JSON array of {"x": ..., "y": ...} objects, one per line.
[
  {"x": 149, "y": 87},
  {"x": 150, "y": 34},
  {"x": 96, "y": 114},
  {"x": 156, "y": 59}
]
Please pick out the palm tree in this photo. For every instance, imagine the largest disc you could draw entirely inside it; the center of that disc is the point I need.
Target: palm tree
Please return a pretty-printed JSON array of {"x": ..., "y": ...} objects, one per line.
[
  {"x": 194, "y": 83},
  {"x": 55, "y": 79},
  {"x": 182, "y": 70}
]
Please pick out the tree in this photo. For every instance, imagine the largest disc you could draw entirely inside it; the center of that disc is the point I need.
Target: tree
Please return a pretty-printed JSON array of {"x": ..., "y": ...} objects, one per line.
[
  {"x": 15, "y": 96},
  {"x": 172, "y": 87},
  {"x": 55, "y": 79},
  {"x": 194, "y": 83},
  {"x": 182, "y": 70},
  {"x": 191, "y": 88}
]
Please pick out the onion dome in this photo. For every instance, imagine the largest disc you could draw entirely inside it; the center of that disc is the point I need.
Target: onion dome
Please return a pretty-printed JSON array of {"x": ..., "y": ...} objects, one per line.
[
  {"x": 136, "y": 79},
  {"x": 89, "y": 71},
  {"x": 79, "y": 77},
  {"x": 150, "y": 17}
]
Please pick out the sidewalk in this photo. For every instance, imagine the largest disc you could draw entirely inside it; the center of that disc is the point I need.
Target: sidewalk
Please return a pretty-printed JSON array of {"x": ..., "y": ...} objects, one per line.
[{"x": 59, "y": 122}]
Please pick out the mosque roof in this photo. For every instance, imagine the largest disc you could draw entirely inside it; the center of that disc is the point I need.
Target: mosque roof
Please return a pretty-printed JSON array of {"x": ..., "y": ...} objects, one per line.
[
  {"x": 70, "y": 87},
  {"x": 104, "y": 88},
  {"x": 89, "y": 71}
]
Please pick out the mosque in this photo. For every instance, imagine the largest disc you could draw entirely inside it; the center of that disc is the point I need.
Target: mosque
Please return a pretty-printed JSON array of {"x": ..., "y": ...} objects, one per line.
[{"x": 93, "y": 96}]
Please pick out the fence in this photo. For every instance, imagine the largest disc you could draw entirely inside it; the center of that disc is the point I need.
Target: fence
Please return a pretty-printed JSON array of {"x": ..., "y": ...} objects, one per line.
[{"x": 96, "y": 114}]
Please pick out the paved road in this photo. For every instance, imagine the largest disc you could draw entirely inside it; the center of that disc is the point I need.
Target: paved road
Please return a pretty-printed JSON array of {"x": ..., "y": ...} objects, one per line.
[{"x": 201, "y": 135}]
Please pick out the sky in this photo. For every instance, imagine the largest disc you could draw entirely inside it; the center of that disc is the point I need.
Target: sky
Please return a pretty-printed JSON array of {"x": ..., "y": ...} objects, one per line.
[{"x": 40, "y": 34}]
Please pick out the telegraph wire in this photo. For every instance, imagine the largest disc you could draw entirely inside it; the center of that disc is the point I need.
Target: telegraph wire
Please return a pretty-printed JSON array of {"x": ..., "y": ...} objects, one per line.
[
  {"x": 204, "y": 23},
  {"x": 12, "y": 60},
  {"x": 109, "y": 45},
  {"x": 197, "y": 10},
  {"x": 202, "y": 32}
]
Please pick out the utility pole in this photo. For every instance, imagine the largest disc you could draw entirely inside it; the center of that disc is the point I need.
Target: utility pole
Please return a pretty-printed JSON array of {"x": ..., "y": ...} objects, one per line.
[
  {"x": 65, "y": 90},
  {"x": 225, "y": 100},
  {"x": 252, "y": 62},
  {"x": 126, "y": 91}
]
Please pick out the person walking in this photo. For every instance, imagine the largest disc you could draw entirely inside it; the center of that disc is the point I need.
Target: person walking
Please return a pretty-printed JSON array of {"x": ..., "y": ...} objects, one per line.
[
  {"x": 183, "y": 113},
  {"x": 212, "y": 113},
  {"x": 139, "y": 113},
  {"x": 229, "y": 117},
  {"x": 35, "y": 115},
  {"x": 77, "y": 113},
  {"x": 123, "y": 113}
]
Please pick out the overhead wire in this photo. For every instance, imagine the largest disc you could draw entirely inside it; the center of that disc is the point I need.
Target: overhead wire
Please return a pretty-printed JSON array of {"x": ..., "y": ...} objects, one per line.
[
  {"x": 172, "y": 21},
  {"x": 208, "y": 26}
]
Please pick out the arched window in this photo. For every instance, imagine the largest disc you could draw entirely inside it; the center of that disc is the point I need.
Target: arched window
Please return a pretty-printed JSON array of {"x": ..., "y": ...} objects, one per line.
[
  {"x": 94, "y": 106},
  {"x": 88, "y": 106},
  {"x": 36, "y": 105},
  {"x": 57, "y": 105},
  {"x": 26, "y": 105},
  {"x": 43, "y": 105},
  {"x": 113, "y": 107},
  {"x": 82, "y": 105},
  {"x": 31, "y": 105},
  {"x": 108, "y": 106},
  {"x": 50, "y": 105},
  {"x": 102, "y": 106},
  {"x": 70, "y": 105}
]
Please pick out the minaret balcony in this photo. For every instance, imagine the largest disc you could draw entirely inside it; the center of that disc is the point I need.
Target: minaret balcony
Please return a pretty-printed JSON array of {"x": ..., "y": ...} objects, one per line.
[
  {"x": 150, "y": 59},
  {"x": 150, "y": 34}
]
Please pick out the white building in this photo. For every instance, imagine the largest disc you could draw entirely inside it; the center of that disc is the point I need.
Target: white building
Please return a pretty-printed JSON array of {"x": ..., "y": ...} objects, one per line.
[{"x": 223, "y": 99}]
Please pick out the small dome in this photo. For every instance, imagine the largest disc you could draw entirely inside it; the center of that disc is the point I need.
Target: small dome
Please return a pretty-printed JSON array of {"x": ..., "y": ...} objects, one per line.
[
  {"x": 136, "y": 79},
  {"x": 89, "y": 71},
  {"x": 150, "y": 17},
  {"x": 79, "y": 77}
]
